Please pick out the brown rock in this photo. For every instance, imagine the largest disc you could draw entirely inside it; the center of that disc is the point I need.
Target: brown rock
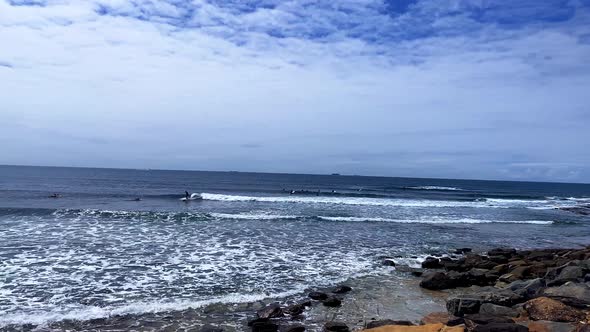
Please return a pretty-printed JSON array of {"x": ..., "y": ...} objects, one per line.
[
  {"x": 436, "y": 317},
  {"x": 421, "y": 328},
  {"x": 546, "y": 326},
  {"x": 544, "y": 308}
]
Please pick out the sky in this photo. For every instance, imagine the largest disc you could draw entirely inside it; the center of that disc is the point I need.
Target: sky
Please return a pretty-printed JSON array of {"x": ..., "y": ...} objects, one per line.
[{"x": 482, "y": 89}]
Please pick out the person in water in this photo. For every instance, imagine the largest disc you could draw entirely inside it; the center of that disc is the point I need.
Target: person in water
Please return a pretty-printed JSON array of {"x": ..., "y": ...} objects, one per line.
[{"x": 187, "y": 195}]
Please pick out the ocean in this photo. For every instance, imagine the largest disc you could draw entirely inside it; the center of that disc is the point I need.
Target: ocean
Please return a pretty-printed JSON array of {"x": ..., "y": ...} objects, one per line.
[{"x": 118, "y": 242}]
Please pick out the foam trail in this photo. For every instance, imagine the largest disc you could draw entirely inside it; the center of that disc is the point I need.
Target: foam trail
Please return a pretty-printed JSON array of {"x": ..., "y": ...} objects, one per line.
[
  {"x": 438, "y": 220},
  {"x": 489, "y": 203}
]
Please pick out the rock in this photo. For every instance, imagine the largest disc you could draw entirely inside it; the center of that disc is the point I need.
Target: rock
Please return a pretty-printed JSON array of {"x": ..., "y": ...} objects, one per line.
[
  {"x": 436, "y": 317},
  {"x": 500, "y": 327},
  {"x": 577, "y": 295},
  {"x": 490, "y": 309},
  {"x": 293, "y": 328},
  {"x": 499, "y": 259},
  {"x": 378, "y": 323},
  {"x": 568, "y": 273},
  {"x": 528, "y": 289},
  {"x": 437, "y": 281},
  {"x": 462, "y": 250},
  {"x": 517, "y": 273},
  {"x": 318, "y": 296},
  {"x": 257, "y": 320},
  {"x": 271, "y": 311},
  {"x": 540, "y": 255},
  {"x": 544, "y": 308},
  {"x": 388, "y": 262},
  {"x": 294, "y": 310},
  {"x": 464, "y": 305},
  {"x": 336, "y": 327},
  {"x": 422, "y": 328},
  {"x": 480, "y": 319},
  {"x": 210, "y": 328},
  {"x": 341, "y": 289},
  {"x": 419, "y": 273},
  {"x": 547, "y": 326},
  {"x": 332, "y": 302},
  {"x": 506, "y": 252},
  {"x": 265, "y": 327},
  {"x": 431, "y": 263}
]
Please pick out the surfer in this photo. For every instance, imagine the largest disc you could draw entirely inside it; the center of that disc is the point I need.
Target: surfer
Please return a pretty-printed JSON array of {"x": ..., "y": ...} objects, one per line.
[
  {"x": 55, "y": 196},
  {"x": 187, "y": 195}
]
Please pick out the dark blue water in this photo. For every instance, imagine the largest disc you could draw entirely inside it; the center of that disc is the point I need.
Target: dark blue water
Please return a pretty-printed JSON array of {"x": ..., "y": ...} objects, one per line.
[{"x": 95, "y": 251}]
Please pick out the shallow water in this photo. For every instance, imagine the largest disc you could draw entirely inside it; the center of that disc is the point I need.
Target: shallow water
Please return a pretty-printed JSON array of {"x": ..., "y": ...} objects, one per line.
[{"x": 94, "y": 252}]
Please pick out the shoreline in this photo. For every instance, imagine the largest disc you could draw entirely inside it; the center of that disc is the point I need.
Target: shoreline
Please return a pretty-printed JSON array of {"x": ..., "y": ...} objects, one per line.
[{"x": 395, "y": 297}]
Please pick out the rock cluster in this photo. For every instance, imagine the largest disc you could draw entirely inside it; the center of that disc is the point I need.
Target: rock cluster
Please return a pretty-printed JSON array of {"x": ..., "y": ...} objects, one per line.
[
  {"x": 510, "y": 290},
  {"x": 275, "y": 317}
]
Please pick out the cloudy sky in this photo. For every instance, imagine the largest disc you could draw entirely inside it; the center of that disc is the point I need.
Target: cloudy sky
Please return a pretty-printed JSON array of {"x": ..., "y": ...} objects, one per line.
[{"x": 492, "y": 89}]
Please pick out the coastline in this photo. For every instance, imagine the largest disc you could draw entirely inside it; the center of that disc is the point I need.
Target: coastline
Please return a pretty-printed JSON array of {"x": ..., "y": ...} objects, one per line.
[{"x": 396, "y": 296}]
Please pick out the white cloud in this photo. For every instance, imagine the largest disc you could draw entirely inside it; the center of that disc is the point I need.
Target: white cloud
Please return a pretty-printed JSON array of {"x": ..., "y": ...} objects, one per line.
[{"x": 151, "y": 84}]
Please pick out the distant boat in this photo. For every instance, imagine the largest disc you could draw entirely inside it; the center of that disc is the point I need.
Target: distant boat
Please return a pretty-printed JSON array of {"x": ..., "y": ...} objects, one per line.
[{"x": 335, "y": 174}]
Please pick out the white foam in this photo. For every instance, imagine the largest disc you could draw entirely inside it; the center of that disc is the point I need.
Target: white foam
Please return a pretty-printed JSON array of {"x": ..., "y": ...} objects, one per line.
[
  {"x": 362, "y": 201},
  {"x": 252, "y": 216},
  {"x": 93, "y": 312},
  {"x": 436, "y": 188},
  {"x": 439, "y": 220}
]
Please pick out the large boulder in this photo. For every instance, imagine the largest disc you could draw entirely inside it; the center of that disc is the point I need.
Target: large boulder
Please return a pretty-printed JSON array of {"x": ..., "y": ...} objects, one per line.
[
  {"x": 527, "y": 289},
  {"x": 544, "y": 308},
  {"x": 490, "y": 309},
  {"x": 547, "y": 326},
  {"x": 431, "y": 263},
  {"x": 464, "y": 305},
  {"x": 292, "y": 328},
  {"x": 567, "y": 273},
  {"x": 506, "y": 252},
  {"x": 480, "y": 319},
  {"x": 437, "y": 281},
  {"x": 574, "y": 294},
  {"x": 271, "y": 311}
]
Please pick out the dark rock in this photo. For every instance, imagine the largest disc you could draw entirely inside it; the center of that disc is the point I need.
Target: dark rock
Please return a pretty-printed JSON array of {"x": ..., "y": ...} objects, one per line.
[
  {"x": 568, "y": 273},
  {"x": 265, "y": 327},
  {"x": 271, "y": 311},
  {"x": 388, "y": 262},
  {"x": 336, "y": 327},
  {"x": 294, "y": 310},
  {"x": 518, "y": 273},
  {"x": 318, "y": 296},
  {"x": 258, "y": 320},
  {"x": 431, "y": 263},
  {"x": 500, "y": 327},
  {"x": 454, "y": 321},
  {"x": 577, "y": 295},
  {"x": 506, "y": 252},
  {"x": 437, "y": 281},
  {"x": 464, "y": 305},
  {"x": 419, "y": 273},
  {"x": 462, "y": 250},
  {"x": 544, "y": 308},
  {"x": 332, "y": 302},
  {"x": 293, "y": 328},
  {"x": 499, "y": 259},
  {"x": 210, "y": 328},
  {"x": 490, "y": 309},
  {"x": 528, "y": 289},
  {"x": 378, "y": 323},
  {"x": 341, "y": 289},
  {"x": 481, "y": 319},
  {"x": 539, "y": 255}
]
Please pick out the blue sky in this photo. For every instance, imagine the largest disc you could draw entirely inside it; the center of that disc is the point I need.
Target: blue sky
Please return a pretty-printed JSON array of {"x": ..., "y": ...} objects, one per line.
[{"x": 446, "y": 88}]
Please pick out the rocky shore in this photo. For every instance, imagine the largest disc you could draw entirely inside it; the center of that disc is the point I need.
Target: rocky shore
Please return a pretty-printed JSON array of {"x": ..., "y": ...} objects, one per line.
[{"x": 499, "y": 290}]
